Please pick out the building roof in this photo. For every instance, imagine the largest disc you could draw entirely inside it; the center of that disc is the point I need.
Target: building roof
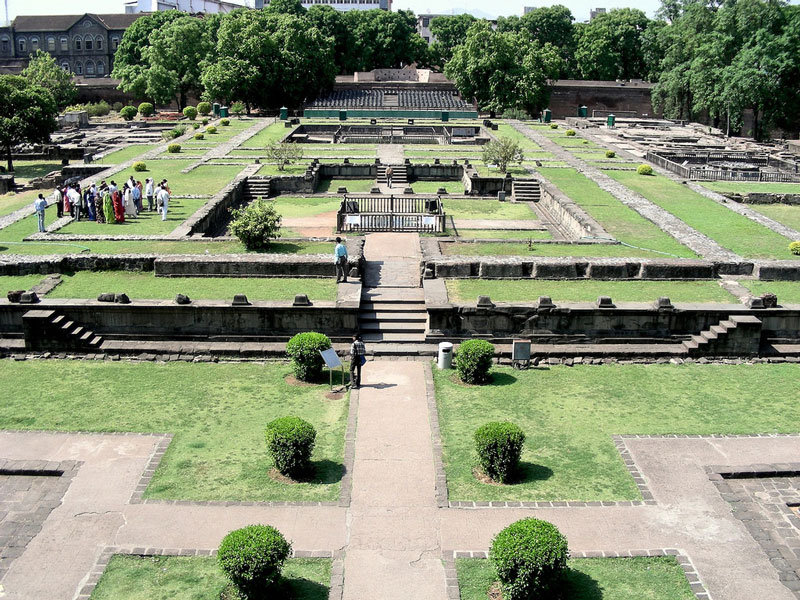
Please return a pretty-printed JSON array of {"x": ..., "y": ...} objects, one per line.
[{"x": 34, "y": 23}]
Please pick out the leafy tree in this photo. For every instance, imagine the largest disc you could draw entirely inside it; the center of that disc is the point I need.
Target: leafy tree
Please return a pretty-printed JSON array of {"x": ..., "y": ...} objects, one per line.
[
  {"x": 450, "y": 32},
  {"x": 27, "y": 114},
  {"x": 130, "y": 64},
  {"x": 256, "y": 224},
  {"x": 611, "y": 46},
  {"x": 284, "y": 154},
  {"x": 43, "y": 71},
  {"x": 331, "y": 24},
  {"x": 285, "y": 7},
  {"x": 547, "y": 25},
  {"x": 503, "y": 70},
  {"x": 384, "y": 40},
  {"x": 502, "y": 153}
]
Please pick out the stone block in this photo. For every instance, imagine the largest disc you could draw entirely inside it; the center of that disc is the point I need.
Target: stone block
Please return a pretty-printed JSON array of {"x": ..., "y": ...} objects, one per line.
[
  {"x": 15, "y": 295},
  {"x": 788, "y": 271},
  {"x": 485, "y": 302},
  {"x": 663, "y": 303},
  {"x": 555, "y": 270},
  {"x": 605, "y": 302},
  {"x": 546, "y": 302},
  {"x": 106, "y": 297},
  {"x": 122, "y": 299},
  {"x": 182, "y": 299},
  {"x": 29, "y": 298},
  {"x": 301, "y": 300},
  {"x": 613, "y": 270},
  {"x": 506, "y": 270},
  {"x": 457, "y": 270},
  {"x": 240, "y": 300},
  {"x": 677, "y": 270}
]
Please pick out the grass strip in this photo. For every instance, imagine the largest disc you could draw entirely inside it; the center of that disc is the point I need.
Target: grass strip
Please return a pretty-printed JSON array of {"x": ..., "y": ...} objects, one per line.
[
  {"x": 217, "y": 412},
  {"x": 125, "y": 154},
  {"x": 732, "y": 187},
  {"x": 788, "y": 292},
  {"x": 570, "y": 413},
  {"x": 504, "y": 234},
  {"x": 18, "y": 282},
  {"x": 523, "y": 249},
  {"x": 354, "y": 186},
  {"x": 461, "y": 208},
  {"x": 787, "y": 214},
  {"x": 146, "y": 223}
]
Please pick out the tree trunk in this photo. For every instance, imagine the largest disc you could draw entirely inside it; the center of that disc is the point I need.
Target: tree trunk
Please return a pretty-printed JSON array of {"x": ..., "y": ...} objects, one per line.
[
  {"x": 756, "y": 125},
  {"x": 182, "y": 101},
  {"x": 9, "y": 159}
]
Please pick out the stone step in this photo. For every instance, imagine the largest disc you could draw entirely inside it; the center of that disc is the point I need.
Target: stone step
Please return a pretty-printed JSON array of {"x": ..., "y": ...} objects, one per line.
[
  {"x": 400, "y": 307},
  {"x": 393, "y": 317},
  {"x": 78, "y": 331},
  {"x": 397, "y": 338},
  {"x": 393, "y": 295},
  {"x": 375, "y": 327},
  {"x": 96, "y": 342}
]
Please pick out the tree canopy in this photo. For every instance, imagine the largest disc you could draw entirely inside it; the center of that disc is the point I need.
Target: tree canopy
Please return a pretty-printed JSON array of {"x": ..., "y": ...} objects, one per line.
[
  {"x": 27, "y": 114},
  {"x": 43, "y": 71}
]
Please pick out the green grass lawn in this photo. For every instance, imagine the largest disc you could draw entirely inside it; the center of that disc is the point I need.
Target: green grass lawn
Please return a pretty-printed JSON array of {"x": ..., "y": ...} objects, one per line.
[
  {"x": 269, "y": 135},
  {"x": 290, "y": 206},
  {"x": 787, "y": 214},
  {"x": 12, "y": 202},
  {"x": 125, "y": 154},
  {"x": 504, "y": 234},
  {"x": 146, "y": 223},
  {"x": 201, "y": 578},
  {"x": 529, "y": 290},
  {"x": 89, "y": 284},
  {"x": 430, "y": 187},
  {"x": 623, "y": 223},
  {"x": 25, "y": 170},
  {"x": 729, "y": 229},
  {"x": 788, "y": 292},
  {"x": 641, "y": 578},
  {"x": 522, "y": 249},
  {"x": 570, "y": 413},
  {"x": 485, "y": 171},
  {"x": 733, "y": 187},
  {"x": 206, "y": 179},
  {"x": 18, "y": 282},
  {"x": 460, "y": 208},
  {"x": 507, "y": 131},
  {"x": 354, "y": 186},
  {"x": 217, "y": 412},
  {"x": 296, "y": 169}
]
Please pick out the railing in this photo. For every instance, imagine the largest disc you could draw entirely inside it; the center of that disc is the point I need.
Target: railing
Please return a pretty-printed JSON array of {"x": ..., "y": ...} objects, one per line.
[
  {"x": 692, "y": 171},
  {"x": 390, "y": 213}
]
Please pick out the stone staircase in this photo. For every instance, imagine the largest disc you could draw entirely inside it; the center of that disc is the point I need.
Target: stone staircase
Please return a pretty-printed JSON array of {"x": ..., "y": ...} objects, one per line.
[
  {"x": 526, "y": 190},
  {"x": 395, "y": 315},
  {"x": 737, "y": 335},
  {"x": 399, "y": 175},
  {"x": 255, "y": 188},
  {"x": 51, "y": 330}
]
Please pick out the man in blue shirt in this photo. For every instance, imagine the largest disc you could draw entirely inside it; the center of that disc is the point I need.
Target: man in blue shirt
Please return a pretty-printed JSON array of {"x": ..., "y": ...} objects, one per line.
[
  {"x": 39, "y": 205},
  {"x": 340, "y": 259}
]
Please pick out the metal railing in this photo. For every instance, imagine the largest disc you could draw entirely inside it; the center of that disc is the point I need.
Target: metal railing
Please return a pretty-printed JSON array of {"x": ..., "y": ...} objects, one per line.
[{"x": 390, "y": 213}]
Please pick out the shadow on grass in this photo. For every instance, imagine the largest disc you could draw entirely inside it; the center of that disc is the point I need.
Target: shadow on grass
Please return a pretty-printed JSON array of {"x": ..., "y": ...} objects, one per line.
[
  {"x": 326, "y": 471},
  {"x": 499, "y": 379},
  {"x": 290, "y": 588},
  {"x": 579, "y": 586},
  {"x": 528, "y": 472}
]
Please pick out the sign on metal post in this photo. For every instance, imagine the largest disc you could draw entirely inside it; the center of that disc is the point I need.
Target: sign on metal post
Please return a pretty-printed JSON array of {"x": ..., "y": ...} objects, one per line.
[
  {"x": 332, "y": 361},
  {"x": 520, "y": 354}
]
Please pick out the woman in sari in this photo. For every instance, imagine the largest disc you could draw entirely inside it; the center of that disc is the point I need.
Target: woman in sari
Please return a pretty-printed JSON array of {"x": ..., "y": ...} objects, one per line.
[
  {"x": 108, "y": 207},
  {"x": 119, "y": 209},
  {"x": 130, "y": 206}
]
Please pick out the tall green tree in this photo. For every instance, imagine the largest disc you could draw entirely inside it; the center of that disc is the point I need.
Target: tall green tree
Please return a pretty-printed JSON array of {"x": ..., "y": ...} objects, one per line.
[
  {"x": 450, "y": 32},
  {"x": 384, "y": 40},
  {"x": 43, "y": 71},
  {"x": 27, "y": 114},
  {"x": 548, "y": 25},
  {"x": 611, "y": 46},
  {"x": 331, "y": 23}
]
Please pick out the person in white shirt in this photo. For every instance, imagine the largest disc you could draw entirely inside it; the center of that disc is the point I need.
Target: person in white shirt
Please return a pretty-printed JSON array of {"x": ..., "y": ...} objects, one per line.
[
  {"x": 130, "y": 206},
  {"x": 163, "y": 200},
  {"x": 74, "y": 202},
  {"x": 148, "y": 191}
]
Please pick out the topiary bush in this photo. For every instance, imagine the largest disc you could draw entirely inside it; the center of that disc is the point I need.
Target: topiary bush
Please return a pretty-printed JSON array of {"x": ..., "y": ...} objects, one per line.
[
  {"x": 225, "y": 122},
  {"x": 118, "y": 106},
  {"x": 238, "y": 109},
  {"x": 499, "y": 447},
  {"x": 146, "y": 109},
  {"x": 256, "y": 224},
  {"x": 473, "y": 361},
  {"x": 794, "y": 248},
  {"x": 290, "y": 441},
  {"x": 139, "y": 166},
  {"x": 553, "y": 125},
  {"x": 205, "y": 121},
  {"x": 569, "y": 132},
  {"x": 529, "y": 557},
  {"x": 175, "y": 132},
  {"x": 100, "y": 109},
  {"x": 190, "y": 112},
  {"x": 610, "y": 154},
  {"x": 304, "y": 349},
  {"x": 211, "y": 129},
  {"x": 128, "y": 112},
  {"x": 195, "y": 125},
  {"x": 252, "y": 558},
  {"x": 199, "y": 136},
  {"x": 204, "y": 108},
  {"x": 174, "y": 148},
  {"x": 644, "y": 170}
]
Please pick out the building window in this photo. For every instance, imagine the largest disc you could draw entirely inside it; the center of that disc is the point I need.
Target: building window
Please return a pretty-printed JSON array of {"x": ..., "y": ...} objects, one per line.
[
  {"x": 426, "y": 21},
  {"x": 99, "y": 43},
  {"x": 51, "y": 44},
  {"x": 114, "y": 43},
  {"x": 34, "y": 44},
  {"x": 78, "y": 69},
  {"x": 101, "y": 68},
  {"x": 89, "y": 69},
  {"x": 78, "y": 43},
  {"x": 65, "y": 66},
  {"x": 23, "y": 44},
  {"x": 5, "y": 45},
  {"x": 88, "y": 43},
  {"x": 64, "y": 44}
]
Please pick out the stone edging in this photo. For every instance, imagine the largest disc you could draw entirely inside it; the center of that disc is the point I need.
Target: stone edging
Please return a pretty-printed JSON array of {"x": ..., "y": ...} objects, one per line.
[
  {"x": 93, "y": 577},
  {"x": 689, "y": 570}
]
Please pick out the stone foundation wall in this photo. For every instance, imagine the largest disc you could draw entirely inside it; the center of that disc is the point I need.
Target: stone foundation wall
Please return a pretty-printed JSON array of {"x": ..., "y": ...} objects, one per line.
[
  {"x": 762, "y": 198},
  {"x": 247, "y": 265},
  {"x": 570, "y": 216},
  {"x": 476, "y": 185},
  {"x": 44, "y": 265},
  {"x": 433, "y": 172}
]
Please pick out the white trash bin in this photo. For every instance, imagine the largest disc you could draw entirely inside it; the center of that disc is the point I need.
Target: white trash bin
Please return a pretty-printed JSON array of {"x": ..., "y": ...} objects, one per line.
[{"x": 445, "y": 355}]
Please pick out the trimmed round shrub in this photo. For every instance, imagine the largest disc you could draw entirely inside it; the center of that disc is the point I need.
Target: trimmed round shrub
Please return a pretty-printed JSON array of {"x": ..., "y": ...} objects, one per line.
[
  {"x": 553, "y": 125},
  {"x": 195, "y": 125},
  {"x": 174, "y": 148},
  {"x": 139, "y": 166},
  {"x": 585, "y": 142},
  {"x": 225, "y": 122},
  {"x": 204, "y": 108},
  {"x": 569, "y": 132},
  {"x": 794, "y": 248},
  {"x": 473, "y": 361},
  {"x": 205, "y": 121},
  {"x": 256, "y": 224},
  {"x": 100, "y": 109},
  {"x": 211, "y": 129},
  {"x": 644, "y": 170},
  {"x": 146, "y": 109},
  {"x": 304, "y": 350},
  {"x": 252, "y": 558},
  {"x": 199, "y": 136},
  {"x": 117, "y": 106},
  {"x": 290, "y": 441},
  {"x": 499, "y": 447},
  {"x": 610, "y": 154},
  {"x": 190, "y": 112},
  {"x": 529, "y": 557},
  {"x": 128, "y": 112}
]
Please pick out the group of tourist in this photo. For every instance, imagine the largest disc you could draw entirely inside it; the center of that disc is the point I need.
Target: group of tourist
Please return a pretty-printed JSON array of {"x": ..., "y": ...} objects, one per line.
[{"x": 106, "y": 203}]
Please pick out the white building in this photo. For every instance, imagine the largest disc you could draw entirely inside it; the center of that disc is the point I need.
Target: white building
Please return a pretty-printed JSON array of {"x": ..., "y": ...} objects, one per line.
[
  {"x": 343, "y": 5},
  {"x": 188, "y": 6}
]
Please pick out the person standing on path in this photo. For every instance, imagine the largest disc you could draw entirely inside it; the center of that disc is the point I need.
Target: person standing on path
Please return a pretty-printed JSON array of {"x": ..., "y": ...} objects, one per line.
[
  {"x": 163, "y": 201},
  {"x": 39, "y": 205},
  {"x": 358, "y": 356},
  {"x": 58, "y": 200},
  {"x": 148, "y": 190},
  {"x": 389, "y": 173},
  {"x": 340, "y": 260}
]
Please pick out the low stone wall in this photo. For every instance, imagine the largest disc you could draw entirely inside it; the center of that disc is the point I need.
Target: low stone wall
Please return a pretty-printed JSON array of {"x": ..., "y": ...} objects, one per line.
[
  {"x": 44, "y": 265},
  {"x": 348, "y": 171},
  {"x": 762, "y": 198},
  {"x": 476, "y": 185},
  {"x": 434, "y": 172},
  {"x": 569, "y": 215},
  {"x": 207, "y": 218},
  {"x": 81, "y": 171},
  {"x": 518, "y": 267},
  {"x": 250, "y": 265}
]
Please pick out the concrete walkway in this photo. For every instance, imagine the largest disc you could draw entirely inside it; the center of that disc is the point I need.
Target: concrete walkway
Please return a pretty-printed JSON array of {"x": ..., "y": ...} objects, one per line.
[{"x": 393, "y": 260}]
